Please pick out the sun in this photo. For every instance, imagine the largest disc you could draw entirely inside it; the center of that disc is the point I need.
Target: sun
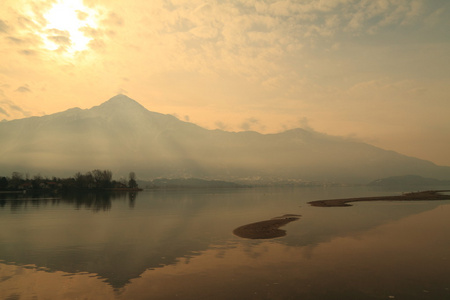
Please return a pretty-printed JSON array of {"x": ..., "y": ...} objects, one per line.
[{"x": 67, "y": 23}]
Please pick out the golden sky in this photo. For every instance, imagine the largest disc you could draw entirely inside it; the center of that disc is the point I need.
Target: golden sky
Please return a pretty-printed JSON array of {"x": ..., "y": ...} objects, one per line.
[{"x": 375, "y": 70}]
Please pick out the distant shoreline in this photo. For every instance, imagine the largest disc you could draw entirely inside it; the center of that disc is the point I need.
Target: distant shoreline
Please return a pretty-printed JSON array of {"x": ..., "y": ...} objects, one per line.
[{"x": 414, "y": 196}]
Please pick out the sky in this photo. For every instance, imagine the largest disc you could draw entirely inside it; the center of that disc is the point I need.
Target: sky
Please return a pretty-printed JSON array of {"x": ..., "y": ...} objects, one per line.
[{"x": 372, "y": 70}]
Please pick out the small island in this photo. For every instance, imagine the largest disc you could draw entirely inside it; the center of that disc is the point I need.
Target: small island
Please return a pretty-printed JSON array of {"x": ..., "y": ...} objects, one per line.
[
  {"x": 414, "y": 196},
  {"x": 268, "y": 229}
]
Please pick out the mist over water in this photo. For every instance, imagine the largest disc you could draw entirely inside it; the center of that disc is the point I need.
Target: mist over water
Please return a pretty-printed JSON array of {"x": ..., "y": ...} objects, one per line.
[{"x": 167, "y": 244}]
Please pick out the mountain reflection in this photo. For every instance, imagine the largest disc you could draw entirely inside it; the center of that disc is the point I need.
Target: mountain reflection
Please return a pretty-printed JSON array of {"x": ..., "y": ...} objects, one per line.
[
  {"x": 148, "y": 231},
  {"x": 355, "y": 266}
]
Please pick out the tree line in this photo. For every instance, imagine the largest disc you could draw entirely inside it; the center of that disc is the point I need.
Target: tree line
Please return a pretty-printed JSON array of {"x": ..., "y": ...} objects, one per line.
[{"x": 92, "y": 180}]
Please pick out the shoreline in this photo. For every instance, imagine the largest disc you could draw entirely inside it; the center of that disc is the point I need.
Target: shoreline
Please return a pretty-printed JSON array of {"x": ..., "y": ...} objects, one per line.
[{"x": 413, "y": 196}]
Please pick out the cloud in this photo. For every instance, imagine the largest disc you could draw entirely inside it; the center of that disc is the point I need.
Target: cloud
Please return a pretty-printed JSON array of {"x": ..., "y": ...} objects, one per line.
[
  {"x": 28, "y": 52},
  {"x": 23, "y": 89},
  {"x": 59, "y": 37},
  {"x": 113, "y": 19},
  {"x": 20, "y": 110},
  {"x": 104, "y": 33},
  {"x": 304, "y": 124},
  {"x": 97, "y": 44},
  {"x": 122, "y": 91},
  {"x": 29, "y": 22},
  {"x": 252, "y": 39},
  {"x": 249, "y": 124},
  {"x": 91, "y": 32},
  {"x": 9, "y": 109},
  {"x": 15, "y": 40},
  {"x": 204, "y": 32},
  {"x": 3, "y": 27},
  {"x": 18, "y": 41},
  {"x": 245, "y": 126},
  {"x": 220, "y": 125},
  {"x": 81, "y": 15},
  {"x": 3, "y": 112}
]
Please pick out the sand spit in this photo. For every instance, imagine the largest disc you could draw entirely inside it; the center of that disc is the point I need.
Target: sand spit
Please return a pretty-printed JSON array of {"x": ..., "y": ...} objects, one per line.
[
  {"x": 415, "y": 196},
  {"x": 268, "y": 229}
]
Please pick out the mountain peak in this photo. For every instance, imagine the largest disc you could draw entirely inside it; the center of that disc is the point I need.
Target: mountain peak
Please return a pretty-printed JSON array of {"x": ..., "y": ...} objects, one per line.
[
  {"x": 121, "y": 99},
  {"x": 121, "y": 102}
]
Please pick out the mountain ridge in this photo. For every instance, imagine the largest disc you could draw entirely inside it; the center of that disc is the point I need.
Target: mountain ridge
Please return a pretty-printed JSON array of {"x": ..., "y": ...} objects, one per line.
[{"x": 122, "y": 135}]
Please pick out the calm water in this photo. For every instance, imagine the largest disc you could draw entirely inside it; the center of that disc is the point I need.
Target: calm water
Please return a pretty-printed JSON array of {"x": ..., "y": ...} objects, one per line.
[{"x": 180, "y": 245}]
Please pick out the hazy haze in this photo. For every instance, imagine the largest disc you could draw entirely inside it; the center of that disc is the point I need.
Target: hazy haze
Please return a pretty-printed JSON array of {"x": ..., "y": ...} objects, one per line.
[
  {"x": 377, "y": 70},
  {"x": 122, "y": 135}
]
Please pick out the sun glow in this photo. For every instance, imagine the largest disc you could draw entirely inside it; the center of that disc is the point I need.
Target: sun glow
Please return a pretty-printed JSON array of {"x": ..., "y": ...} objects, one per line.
[{"x": 67, "y": 24}]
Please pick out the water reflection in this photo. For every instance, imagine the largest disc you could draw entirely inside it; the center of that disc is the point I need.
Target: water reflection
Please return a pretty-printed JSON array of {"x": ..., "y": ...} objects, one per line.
[
  {"x": 404, "y": 259},
  {"x": 167, "y": 243},
  {"x": 99, "y": 201},
  {"x": 95, "y": 201},
  {"x": 131, "y": 199}
]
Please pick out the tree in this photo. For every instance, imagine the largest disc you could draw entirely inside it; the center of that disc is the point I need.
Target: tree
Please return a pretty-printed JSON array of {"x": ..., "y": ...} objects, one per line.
[
  {"x": 103, "y": 178},
  {"x": 3, "y": 183},
  {"x": 36, "y": 182},
  {"x": 85, "y": 181},
  {"x": 16, "y": 179},
  {"x": 132, "y": 182}
]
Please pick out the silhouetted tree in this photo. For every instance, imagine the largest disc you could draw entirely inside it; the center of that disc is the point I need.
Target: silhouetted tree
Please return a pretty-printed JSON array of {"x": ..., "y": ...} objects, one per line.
[
  {"x": 85, "y": 181},
  {"x": 103, "y": 178},
  {"x": 36, "y": 182},
  {"x": 16, "y": 180},
  {"x": 3, "y": 183},
  {"x": 132, "y": 182}
]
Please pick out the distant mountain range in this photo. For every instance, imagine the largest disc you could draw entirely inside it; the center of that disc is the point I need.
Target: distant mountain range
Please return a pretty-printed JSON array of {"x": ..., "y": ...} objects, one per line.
[
  {"x": 186, "y": 183},
  {"x": 122, "y": 136},
  {"x": 410, "y": 180}
]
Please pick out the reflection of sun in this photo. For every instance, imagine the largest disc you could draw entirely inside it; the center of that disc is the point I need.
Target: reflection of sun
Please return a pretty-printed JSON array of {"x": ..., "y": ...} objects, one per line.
[{"x": 66, "y": 21}]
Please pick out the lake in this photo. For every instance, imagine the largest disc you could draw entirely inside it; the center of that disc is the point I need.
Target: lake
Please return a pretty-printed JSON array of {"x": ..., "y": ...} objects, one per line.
[{"x": 179, "y": 244}]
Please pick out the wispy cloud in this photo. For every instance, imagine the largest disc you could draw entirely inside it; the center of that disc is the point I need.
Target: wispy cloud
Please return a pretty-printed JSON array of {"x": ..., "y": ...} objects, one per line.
[
  {"x": 221, "y": 125},
  {"x": 15, "y": 40},
  {"x": 249, "y": 124},
  {"x": 3, "y": 112},
  {"x": 113, "y": 19},
  {"x": 23, "y": 89},
  {"x": 28, "y": 52},
  {"x": 10, "y": 109},
  {"x": 3, "y": 27}
]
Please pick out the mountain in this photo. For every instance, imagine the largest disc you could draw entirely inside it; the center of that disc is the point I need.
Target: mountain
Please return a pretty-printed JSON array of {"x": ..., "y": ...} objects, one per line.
[{"x": 123, "y": 136}]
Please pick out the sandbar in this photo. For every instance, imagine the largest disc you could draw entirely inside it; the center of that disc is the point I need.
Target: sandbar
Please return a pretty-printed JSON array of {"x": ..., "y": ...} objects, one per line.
[
  {"x": 414, "y": 196},
  {"x": 267, "y": 229}
]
